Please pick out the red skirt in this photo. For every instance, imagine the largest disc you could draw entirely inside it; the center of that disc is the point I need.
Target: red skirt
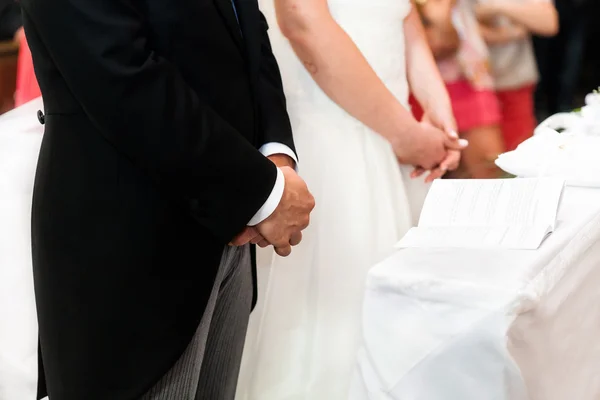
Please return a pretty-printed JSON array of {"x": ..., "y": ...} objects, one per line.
[
  {"x": 518, "y": 115},
  {"x": 27, "y": 86},
  {"x": 472, "y": 108}
]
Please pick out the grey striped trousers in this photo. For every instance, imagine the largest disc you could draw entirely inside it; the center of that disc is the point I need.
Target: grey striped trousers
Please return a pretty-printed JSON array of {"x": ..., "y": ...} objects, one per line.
[{"x": 209, "y": 368}]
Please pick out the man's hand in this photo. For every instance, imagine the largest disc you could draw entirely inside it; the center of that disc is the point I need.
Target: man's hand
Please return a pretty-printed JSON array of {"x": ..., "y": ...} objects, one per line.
[
  {"x": 250, "y": 234},
  {"x": 282, "y": 160},
  {"x": 283, "y": 229}
]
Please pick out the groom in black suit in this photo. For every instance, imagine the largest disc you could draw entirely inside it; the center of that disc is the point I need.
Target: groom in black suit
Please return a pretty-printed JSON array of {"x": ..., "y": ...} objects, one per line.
[{"x": 159, "y": 117}]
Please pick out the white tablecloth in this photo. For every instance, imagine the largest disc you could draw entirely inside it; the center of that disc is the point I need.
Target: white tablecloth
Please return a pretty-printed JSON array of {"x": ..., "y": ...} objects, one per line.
[
  {"x": 489, "y": 325},
  {"x": 20, "y": 138}
]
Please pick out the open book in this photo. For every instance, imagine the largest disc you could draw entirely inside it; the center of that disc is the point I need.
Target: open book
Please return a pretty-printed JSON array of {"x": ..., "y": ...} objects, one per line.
[{"x": 494, "y": 213}]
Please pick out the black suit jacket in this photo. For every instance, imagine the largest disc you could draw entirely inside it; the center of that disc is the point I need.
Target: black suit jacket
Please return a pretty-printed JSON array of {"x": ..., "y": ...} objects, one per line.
[
  {"x": 154, "y": 110},
  {"x": 10, "y": 19}
]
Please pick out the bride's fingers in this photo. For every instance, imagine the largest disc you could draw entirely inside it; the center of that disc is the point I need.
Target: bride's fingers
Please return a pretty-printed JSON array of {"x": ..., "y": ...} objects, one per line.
[
  {"x": 263, "y": 244},
  {"x": 417, "y": 172},
  {"x": 452, "y": 133},
  {"x": 455, "y": 164},
  {"x": 451, "y": 162},
  {"x": 456, "y": 144},
  {"x": 437, "y": 173}
]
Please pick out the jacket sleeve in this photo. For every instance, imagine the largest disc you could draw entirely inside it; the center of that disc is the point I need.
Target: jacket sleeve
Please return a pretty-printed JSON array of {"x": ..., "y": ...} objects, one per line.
[
  {"x": 275, "y": 122},
  {"x": 142, "y": 105}
]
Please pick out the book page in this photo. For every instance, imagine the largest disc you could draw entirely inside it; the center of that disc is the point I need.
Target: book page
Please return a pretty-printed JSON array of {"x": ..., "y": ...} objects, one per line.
[
  {"x": 492, "y": 203},
  {"x": 518, "y": 237}
]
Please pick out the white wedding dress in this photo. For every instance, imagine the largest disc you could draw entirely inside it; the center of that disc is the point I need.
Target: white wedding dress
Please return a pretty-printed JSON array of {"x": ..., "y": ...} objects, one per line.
[{"x": 304, "y": 335}]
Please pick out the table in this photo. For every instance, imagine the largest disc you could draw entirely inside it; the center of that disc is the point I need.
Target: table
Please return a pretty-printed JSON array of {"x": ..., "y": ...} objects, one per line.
[
  {"x": 488, "y": 325},
  {"x": 20, "y": 138}
]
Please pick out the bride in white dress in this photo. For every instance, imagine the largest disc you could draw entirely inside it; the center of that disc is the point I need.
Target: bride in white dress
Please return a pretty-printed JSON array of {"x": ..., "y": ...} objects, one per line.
[{"x": 344, "y": 68}]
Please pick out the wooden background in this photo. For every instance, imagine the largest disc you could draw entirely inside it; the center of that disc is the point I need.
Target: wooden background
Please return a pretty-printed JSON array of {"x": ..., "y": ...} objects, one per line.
[{"x": 8, "y": 74}]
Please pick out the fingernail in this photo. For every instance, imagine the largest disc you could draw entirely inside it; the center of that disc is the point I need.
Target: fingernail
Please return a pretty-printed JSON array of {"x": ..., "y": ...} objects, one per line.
[
  {"x": 444, "y": 168},
  {"x": 463, "y": 142},
  {"x": 453, "y": 134}
]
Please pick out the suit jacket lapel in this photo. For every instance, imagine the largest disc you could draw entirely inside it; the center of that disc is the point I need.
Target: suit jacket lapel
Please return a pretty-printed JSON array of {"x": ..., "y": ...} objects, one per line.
[{"x": 226, "y": 10}]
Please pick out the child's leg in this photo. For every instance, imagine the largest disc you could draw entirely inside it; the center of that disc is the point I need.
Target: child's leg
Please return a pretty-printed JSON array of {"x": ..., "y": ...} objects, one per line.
[
  {"x": 485, "y": 144},
  {"x": 478, "y": 117},
  {"x": 518, "y": 117}
]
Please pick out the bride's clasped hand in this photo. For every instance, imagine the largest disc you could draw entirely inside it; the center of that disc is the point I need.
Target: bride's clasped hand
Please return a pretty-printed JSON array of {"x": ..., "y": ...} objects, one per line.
[
  {"x": 441, "y": 117},
  {"x": 428, "y": 148}
]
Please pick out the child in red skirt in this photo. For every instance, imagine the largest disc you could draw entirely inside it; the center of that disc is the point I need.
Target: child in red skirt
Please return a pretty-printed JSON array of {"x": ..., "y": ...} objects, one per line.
[
  {"x": 462, "y": 58},
  {"x": 506, "y": 26},
  {"x": 27, "y": 86}
]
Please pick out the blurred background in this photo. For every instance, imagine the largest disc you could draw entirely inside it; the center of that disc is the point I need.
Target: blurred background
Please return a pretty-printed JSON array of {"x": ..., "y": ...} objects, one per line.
[{"x": 569, "y": 62}]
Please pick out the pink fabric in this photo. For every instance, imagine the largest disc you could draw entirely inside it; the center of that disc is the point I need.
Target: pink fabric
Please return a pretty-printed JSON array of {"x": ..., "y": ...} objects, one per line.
[
  {"x": 27, "y": 86},
  {"x": 472, "y": 108}
]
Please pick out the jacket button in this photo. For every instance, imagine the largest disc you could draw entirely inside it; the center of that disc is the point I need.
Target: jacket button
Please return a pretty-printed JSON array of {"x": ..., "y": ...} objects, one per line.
[{"x": 41, "y": 117}]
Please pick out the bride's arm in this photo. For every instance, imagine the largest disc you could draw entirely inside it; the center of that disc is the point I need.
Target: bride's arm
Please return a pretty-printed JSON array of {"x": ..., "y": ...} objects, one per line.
[
  {"x": 423, "y": 75},
  {"x": 339, "y": 68}
]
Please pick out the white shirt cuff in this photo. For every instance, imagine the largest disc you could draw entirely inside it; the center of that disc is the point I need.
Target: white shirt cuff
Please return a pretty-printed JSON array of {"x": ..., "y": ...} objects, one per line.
[
  {"x": 272, "y": 202},
  {"x": 271, "y": 148}
]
